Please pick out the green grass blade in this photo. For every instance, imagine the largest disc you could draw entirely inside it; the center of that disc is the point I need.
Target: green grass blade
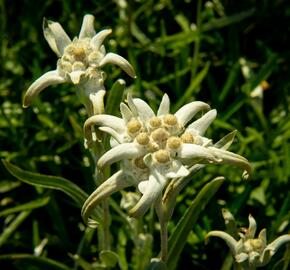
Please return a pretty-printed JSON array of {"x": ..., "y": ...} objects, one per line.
[
  {"x": 178, "y": 238},
  {"x": 175, "y": 41},
  {"x": 42, "y": 262},
  {"x": 7, "y": 185},
  {"x": 26, "y": 206},
  {"x": 228, "y": 20},
  {"x": 13, "y": 226},
  {"x": 193, "y": 86},
  {"x": 52, "y": 182},
  {"x": 230, "y": 82}
]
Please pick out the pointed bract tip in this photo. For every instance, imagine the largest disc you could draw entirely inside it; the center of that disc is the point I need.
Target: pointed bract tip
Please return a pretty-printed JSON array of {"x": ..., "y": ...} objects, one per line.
[{"x": 26, "y": 102}]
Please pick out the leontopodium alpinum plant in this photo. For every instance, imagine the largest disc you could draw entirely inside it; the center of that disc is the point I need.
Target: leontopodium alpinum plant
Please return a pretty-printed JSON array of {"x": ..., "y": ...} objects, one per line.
[
  {"x": 157, "y": 151},
  {"x": 249, "y": 252},
  {"x": 154, "y": 148},
  {"x": 80, "y": 62}
]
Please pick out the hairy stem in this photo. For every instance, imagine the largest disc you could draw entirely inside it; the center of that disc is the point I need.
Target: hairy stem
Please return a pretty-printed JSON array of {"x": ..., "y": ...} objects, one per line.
[
  {"x": 106, "y": 225},
  {"x": 164, "y": 240}
]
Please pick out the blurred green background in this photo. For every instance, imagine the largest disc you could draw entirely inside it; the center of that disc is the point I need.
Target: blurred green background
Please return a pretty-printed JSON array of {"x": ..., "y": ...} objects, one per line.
[{"x": 233, "y": 55}]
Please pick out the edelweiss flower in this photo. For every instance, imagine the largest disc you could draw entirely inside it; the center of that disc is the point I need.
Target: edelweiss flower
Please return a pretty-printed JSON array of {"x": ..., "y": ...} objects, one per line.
[
  {"x": 79, "y": 60},
  {"x": 251, "y": 252},
  {"x": 154, "y": 148}
]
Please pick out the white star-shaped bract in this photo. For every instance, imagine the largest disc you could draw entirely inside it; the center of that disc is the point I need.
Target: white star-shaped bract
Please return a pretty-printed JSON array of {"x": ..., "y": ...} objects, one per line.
[
  {"x": 251, "y": 252},
  {"x": 154, "y": 148},
  {"x": 80, "y": 61}
]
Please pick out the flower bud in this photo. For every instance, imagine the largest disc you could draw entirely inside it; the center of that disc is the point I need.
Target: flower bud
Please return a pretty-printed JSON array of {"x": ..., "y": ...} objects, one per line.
[
  {"x": 142, "y": 138},
  {"x": 187, "y": 138},
  {"x": 134, "y": 126},
  {"x": 159, "y": 135},
  {"x": 162, "y": 156},
  {"x": 170, "y": 120},
  {"x": 155, "y": 122},
  {"x": 173, "y": 142}
]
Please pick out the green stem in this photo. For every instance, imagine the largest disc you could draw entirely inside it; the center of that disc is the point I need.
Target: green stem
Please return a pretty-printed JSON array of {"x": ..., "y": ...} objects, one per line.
[
  {"x": 164, "y": 240},
  {"x": 161, "y": 213},
  {"x": 97, "y": 149},
  {"x": 106, "y": 225}
]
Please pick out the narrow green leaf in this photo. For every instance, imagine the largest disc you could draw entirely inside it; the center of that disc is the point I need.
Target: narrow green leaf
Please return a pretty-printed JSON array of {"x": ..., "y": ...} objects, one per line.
[
  {"x": 228, "y": 20},
  {"x": 230, "y": 81},
  {"x": 138, "y": 34},
  {"x": 26, "y": 206},
  {"x": 176, "y": 40},
  {"x": 195, "y": 83},
  {"x": 171, "y": 76},
  {"x": 234, "y": 107},
  {"x": 115, "y": 97},
  {"x": 228, "y": 262},
  {"x": 44, "y": 263},
  {"x": 83, "y": 246},
  {"x": 264, "y": 72},
  {"x": 178, "y": 238},
  {"x": 12, "y": 227},
  {"x": 182, "y": 21},
  {"x": 53, "y": 182},
  {"x": 6, "y": 185}
]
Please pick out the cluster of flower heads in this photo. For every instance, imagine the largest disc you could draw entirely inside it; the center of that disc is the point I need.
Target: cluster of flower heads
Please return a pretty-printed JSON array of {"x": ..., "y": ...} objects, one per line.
[
  {"x": 80, "y": 62},
  {"x": 154, "y": 148},
  {"x": 248, "y": 251}
]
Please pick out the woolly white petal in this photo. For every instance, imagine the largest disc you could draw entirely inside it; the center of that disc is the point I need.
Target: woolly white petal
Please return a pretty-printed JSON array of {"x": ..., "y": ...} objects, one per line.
[
  {"x": 231, "y": 242},
  {"x": 87, "y": 29},
  {"x": 193, "y": 151},
  {"x": 153, "y": 189},
  {"x": 99, "y": 38},
  {"x": 177, "y": 170},
  {"x": 115, "y": 59},
  {"x": 250, "y": 234},
  {"x": 125, "y": 112},
  {"x": 263, "y": 236},
  {"x": 113, "y": 122},
  {"x": 113, "y": 133},
  {"x": 142, "y": 186},
  {"x": 47, "y": 79},
  {"x": 144, "y": 110},
  {"x": 55, "y": 36},
  {"x": 272, "y": 248},
  {"x": 122, "y": 151},
  {"x": 202, "y": 124},
  {"x": 227, "y": 157},
  {"x": 131, "y": 105},
  {"x": 97, "y": 102},
  {"x": 164, "y": 106},
  {"x": 75, "y": 76},
  {"x": 241, "y": 257},
  {"x": 186, "y": 112},
  {"x": 116, "y": 182}
]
